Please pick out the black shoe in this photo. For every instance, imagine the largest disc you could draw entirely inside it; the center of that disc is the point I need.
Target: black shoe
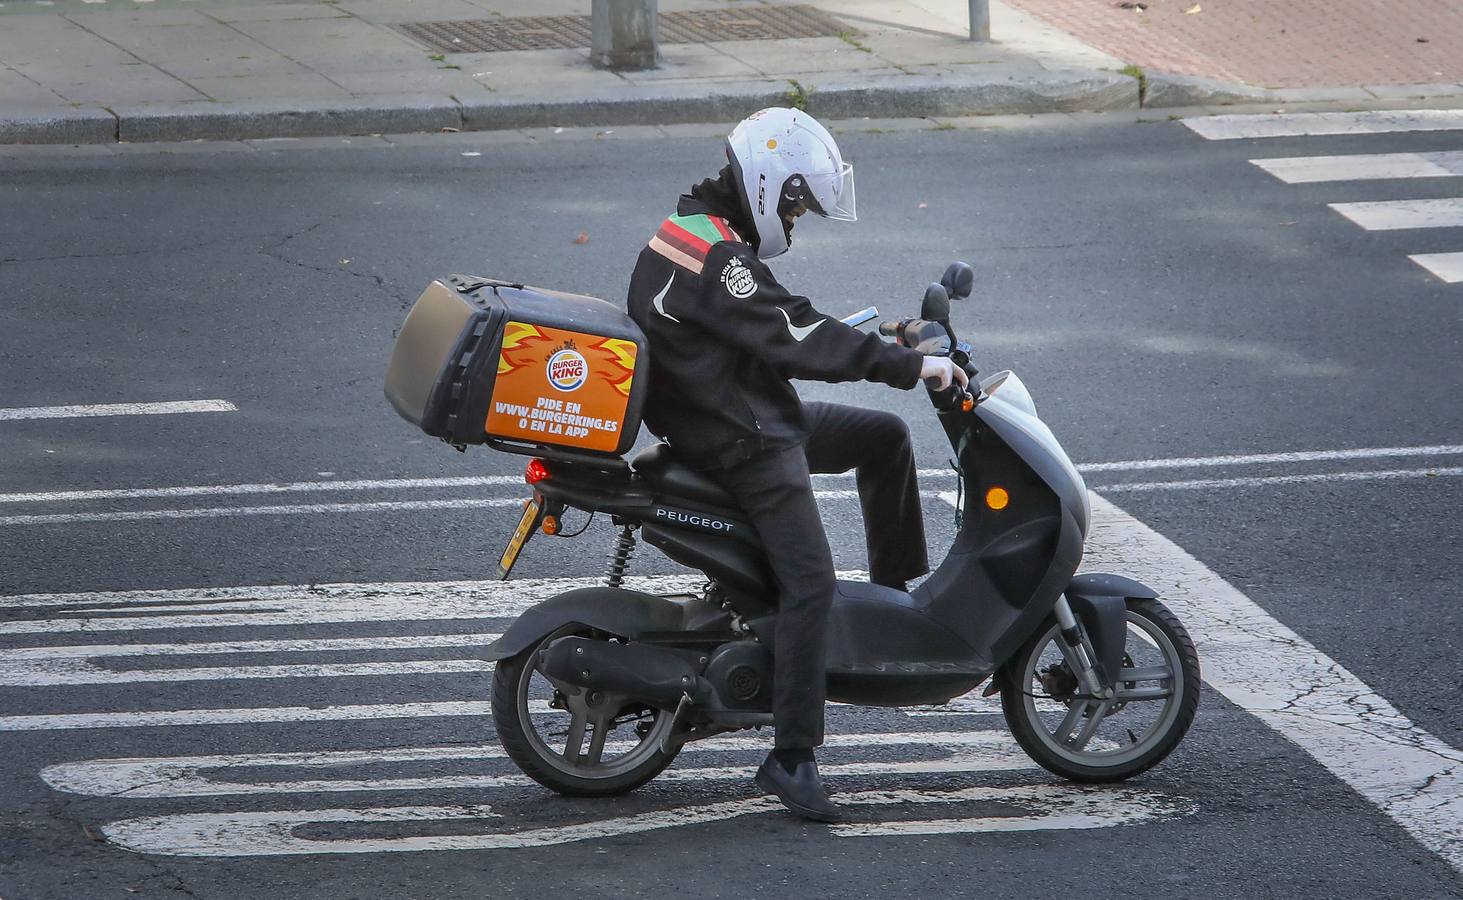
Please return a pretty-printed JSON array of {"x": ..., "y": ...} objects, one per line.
[{"x": 801, "y": 791}]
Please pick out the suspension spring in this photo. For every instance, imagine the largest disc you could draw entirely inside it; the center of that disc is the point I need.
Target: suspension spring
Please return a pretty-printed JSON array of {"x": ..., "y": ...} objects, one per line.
[{"x": 620, "y": 557}]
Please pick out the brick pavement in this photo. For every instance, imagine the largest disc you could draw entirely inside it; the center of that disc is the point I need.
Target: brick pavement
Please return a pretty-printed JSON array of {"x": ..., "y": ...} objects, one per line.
[{"x": 1274, "y": 43}]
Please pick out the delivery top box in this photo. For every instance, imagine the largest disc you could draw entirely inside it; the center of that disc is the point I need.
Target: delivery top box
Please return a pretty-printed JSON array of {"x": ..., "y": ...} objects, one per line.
[{"x": 480, "y": 361}]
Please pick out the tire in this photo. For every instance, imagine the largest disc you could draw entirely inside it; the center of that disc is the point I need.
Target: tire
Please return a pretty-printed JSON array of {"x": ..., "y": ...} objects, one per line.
[
  {"x": 1158, "y": 634},
  {"x": 514, "y": 679}
]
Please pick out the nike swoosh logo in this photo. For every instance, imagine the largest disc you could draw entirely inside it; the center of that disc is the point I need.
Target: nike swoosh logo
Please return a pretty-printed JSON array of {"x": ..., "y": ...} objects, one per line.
[
  {"x": 659, "y": 301},
  {"x": 799, "y": 332}
]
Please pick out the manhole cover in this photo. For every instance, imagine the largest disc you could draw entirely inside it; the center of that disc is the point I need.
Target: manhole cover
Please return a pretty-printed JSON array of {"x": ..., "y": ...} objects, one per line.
[{"x": 695, "y": 26}]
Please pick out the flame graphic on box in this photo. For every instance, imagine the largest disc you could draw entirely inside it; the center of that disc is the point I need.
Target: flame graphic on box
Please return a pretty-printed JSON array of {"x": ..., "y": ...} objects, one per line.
[
  {"x": 622, "y": 357},
  {"x": 517, "y": 336}
]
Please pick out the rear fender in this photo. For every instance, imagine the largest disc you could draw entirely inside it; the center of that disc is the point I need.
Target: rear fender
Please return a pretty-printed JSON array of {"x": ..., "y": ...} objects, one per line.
[
  {"x": 1100, "y": 603},
  {"x": 620, "y": 612}
]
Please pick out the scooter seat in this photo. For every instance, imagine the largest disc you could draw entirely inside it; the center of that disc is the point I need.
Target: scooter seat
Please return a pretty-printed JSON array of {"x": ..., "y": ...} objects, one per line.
[{"x": 663, "y": 472}]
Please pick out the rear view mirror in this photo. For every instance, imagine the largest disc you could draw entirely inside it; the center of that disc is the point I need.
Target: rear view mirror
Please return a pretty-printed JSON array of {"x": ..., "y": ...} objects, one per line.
[
  {"x": 936, "y": 305},
  {"x": 958, "y": 280}
]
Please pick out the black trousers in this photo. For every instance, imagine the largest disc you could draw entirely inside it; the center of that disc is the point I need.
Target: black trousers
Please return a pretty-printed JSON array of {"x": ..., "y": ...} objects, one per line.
[{"x": 776, "y": 494}]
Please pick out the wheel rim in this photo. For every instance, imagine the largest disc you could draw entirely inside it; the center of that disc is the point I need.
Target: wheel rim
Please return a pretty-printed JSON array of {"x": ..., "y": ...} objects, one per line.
[
  {"x": 1145, "y": 709},
  {"x": 585, "y": 724}
]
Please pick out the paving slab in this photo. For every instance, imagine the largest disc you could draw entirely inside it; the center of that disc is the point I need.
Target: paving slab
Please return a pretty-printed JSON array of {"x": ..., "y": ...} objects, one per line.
[
  {"x": 391, "y": 11},
  {"x": 1413, "y": 91},
  {"x": 299, "y": 85},
  {"x": 17, "y": 90},
  {"x": 283, "y": 12},
  {"x": 56, "y": 40},
  {"x": 445, "y": 82},
  {"x": 700, "y": 61},
  {"x": 827, "y": 54}
]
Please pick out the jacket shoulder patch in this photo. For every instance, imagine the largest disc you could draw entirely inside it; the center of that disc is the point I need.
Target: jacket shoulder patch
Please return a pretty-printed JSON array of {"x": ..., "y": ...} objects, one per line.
[{"x": 685, "y": 240}]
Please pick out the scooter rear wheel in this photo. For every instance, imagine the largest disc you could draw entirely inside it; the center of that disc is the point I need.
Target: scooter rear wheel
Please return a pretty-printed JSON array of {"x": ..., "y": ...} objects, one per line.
[
  {"x": 1090, "y": 740},
  {"x": 545, "y": 727}
]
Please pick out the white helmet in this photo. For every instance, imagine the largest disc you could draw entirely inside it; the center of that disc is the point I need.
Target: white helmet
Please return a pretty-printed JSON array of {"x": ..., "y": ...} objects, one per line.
[{"x": 782, "y": 158}]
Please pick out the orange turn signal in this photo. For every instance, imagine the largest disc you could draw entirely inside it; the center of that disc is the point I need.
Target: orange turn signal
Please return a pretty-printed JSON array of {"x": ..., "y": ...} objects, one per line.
[
  {"x": 997, "y": 498},
  {"x": 550, "y": 525},
  {"x": 968, "y": 404}
]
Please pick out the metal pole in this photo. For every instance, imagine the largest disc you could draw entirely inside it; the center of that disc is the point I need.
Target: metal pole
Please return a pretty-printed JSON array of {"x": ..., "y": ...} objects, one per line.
[
  {"x": 980, "y": 20},
  {"x": 622, "y": 34}
]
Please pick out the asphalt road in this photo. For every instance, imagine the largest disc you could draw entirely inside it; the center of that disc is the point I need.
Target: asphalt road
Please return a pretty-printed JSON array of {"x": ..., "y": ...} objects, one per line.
[{"x": 1162, "y": 298}]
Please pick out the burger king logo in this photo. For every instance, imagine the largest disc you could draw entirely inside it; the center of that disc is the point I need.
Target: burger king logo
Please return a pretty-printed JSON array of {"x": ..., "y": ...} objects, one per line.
[{"x": 567, "y": 369}]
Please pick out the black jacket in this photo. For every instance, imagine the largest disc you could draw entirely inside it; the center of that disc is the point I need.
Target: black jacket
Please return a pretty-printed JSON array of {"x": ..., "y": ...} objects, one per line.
[{"x": 725, "y": 338}]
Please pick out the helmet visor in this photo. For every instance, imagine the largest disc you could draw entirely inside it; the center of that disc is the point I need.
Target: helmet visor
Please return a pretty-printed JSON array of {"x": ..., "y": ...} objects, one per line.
[{"x": 831, "y": 195}]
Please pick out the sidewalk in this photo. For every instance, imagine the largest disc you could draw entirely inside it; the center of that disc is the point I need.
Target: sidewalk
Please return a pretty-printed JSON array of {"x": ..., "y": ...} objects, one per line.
[
  {"x": 1299, "y": 49},
  {"x": 241, "y": 70},
  {"x": 102, "y": 71}
]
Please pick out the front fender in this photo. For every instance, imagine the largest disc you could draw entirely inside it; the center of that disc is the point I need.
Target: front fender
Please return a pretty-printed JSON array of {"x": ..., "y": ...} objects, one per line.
[
  {"x": 620, "y": 612},
  {"x": 1100, "y": 602}
]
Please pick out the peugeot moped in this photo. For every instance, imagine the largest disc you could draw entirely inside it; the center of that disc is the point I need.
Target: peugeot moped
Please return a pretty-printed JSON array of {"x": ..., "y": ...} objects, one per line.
[{"x": 596, "y": 690}]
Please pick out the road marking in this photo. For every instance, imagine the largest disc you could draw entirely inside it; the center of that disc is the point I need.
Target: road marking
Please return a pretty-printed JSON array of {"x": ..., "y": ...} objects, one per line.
[
  {"x": 1447, "y": 266},
  {"x": 209, "y": 776},
  {"x": 273, "y": 833},
  {"x": 210, "y": 648},
  {"x": 180, "y": 717},
  {"x": 304, "y": 487},
  {"x": 374, "y": 484},
  {"x": 1363, "y": 166},
  {"x": 1195, "y": 462},
  {"x": 78, "y": 664},
  {"x": 55, "y": 673},
  {"x": 1233, "y": 127},
  {"x": 312, "y": 604},
  {"x": 1393, "y": 215},
  {"x": 1308, "y": 698},
  {"x": 117, "y": 409},
  {"x": 1271, "y": 480},
  {"x": 214, "y": 512}
]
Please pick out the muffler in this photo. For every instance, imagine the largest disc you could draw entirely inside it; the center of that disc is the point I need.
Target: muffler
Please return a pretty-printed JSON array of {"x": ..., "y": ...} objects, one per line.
[{"x": 650, "y": 674}]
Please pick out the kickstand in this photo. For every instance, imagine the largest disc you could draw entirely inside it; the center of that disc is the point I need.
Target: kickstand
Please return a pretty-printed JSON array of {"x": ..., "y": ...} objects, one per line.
[{"x": 668, "y": 742}]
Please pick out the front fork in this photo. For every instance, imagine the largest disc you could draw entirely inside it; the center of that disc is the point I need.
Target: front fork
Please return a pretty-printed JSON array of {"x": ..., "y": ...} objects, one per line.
[{"x": 1078, "y": 652}]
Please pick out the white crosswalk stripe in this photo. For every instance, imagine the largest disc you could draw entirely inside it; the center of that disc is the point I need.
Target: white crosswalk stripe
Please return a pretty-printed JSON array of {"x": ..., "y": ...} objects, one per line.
[
  {"x": 1372, "y": 215},
  {"x": 1392, "y": 215},
  {"x": 1447, "y": 266},
  {"x": 1363, "y": 166},
  {"x": 1276, "y": 125}
]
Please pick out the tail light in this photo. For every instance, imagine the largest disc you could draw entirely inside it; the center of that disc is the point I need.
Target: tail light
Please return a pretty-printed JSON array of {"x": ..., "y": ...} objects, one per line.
[{"x": 536, "y": 471}]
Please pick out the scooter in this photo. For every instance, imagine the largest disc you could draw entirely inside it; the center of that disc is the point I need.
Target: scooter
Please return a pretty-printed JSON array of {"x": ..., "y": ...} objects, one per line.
[{"x": 596, "y": 690}]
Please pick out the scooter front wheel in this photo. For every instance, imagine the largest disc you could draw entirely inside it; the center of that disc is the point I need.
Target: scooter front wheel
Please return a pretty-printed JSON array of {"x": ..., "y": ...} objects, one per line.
[
  {"x": 573, "y": 740},
  {"x": 1084, "y": 738}
]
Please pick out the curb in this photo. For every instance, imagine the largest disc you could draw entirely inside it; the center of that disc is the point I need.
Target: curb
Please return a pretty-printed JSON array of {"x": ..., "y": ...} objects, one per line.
[
  {"x": 1162, "y": 91},
  {"x": 61, "y": 126},
  {"x": 844, "y": 96}
]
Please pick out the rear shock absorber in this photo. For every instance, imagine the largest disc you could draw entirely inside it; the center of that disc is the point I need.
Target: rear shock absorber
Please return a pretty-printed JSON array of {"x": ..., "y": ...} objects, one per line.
[{"x": 620, "y": 556}]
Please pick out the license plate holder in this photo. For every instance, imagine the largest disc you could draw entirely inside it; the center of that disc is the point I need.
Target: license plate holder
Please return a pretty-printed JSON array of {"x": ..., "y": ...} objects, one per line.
[{"x": 528, "y": 522}]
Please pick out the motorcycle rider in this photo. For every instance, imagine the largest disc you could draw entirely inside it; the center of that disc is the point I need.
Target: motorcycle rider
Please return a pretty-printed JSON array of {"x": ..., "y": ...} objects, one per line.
[{"x": 725, "y": 339}]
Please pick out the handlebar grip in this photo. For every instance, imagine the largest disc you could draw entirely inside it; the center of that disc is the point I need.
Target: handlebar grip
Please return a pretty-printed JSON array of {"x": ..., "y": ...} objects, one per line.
[{"x": 889, "y": 329}]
